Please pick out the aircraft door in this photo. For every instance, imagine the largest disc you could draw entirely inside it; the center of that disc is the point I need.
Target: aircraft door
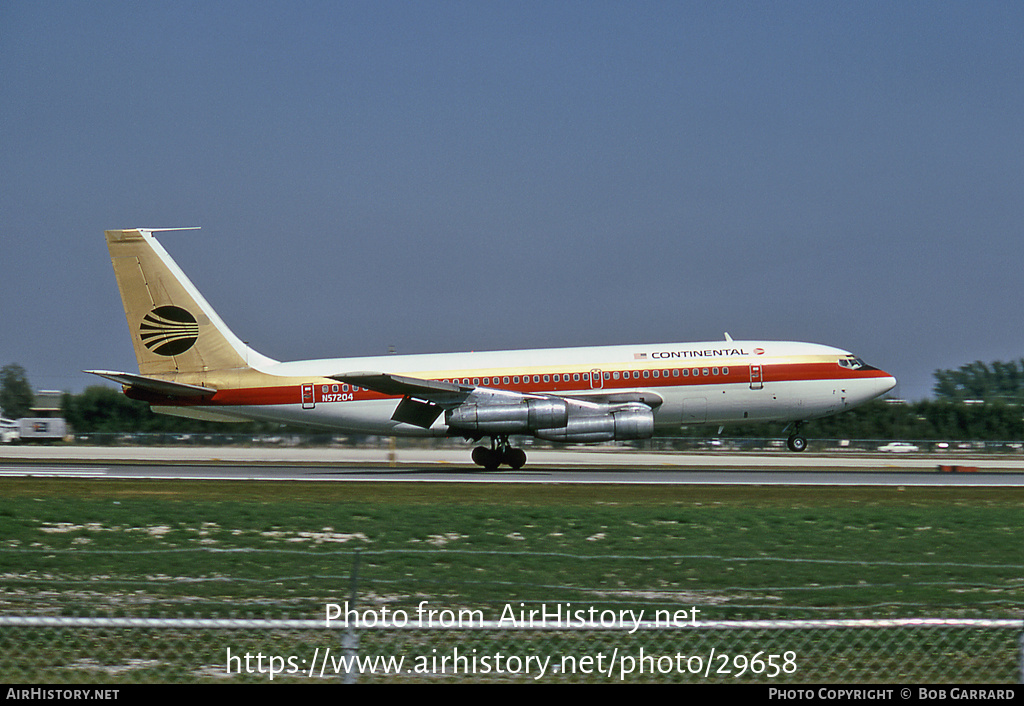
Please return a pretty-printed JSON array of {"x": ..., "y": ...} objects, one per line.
[
  {"x": 596, "y": 380},
  {"x": 308, "y": 400},
  {"x": 756, "y": 377}
]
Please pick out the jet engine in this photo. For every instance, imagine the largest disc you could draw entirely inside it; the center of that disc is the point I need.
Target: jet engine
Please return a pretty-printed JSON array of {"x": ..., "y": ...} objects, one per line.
[
  {"x": 555, "y": 419},
  {"x": 521, "y": 417}
]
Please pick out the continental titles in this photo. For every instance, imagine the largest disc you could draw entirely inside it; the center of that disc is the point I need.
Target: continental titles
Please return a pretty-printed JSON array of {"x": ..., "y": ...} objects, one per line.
[{"x": 706, "y": 353}]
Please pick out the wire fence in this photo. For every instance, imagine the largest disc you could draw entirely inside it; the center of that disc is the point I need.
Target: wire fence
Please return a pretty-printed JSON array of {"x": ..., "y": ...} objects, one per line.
[
  {"x": 127, "y": 589},
  {"x": 403, "y": 616},
  {"x": 701, "y": 442},
  {"x": 147, "y": 650},
  {"x": 261, "y": 582}
]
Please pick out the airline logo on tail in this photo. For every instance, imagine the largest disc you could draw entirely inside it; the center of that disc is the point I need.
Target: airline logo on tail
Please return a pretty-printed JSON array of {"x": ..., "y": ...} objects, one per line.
[{"x": 169, "y": 330}]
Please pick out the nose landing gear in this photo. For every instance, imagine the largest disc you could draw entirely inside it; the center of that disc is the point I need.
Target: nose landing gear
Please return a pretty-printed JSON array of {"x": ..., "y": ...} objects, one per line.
[{"x": 796, "y": 441}]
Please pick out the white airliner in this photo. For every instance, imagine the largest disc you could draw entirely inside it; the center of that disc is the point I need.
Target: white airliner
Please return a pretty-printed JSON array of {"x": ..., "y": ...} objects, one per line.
[{"x": 192, "y": 365}]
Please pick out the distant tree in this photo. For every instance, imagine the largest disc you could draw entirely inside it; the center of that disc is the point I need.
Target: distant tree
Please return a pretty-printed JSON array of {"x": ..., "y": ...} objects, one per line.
[
  {"x": 993, "y": 382},
  {"x": 103, "y": 409},
  {"x": 16, "y": 396}
]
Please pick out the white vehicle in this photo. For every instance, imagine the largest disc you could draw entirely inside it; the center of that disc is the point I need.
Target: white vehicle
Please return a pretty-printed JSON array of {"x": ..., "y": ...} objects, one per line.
[
  {"x": 8, "y": 431},
  {"x": 42, "y": 428},
  {"x": 899, "y": 447},
  {"x": 191, "y": 364}
]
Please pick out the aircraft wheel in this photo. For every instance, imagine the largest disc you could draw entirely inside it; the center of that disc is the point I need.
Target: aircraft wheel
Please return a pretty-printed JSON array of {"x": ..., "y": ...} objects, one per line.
[
  {"x": 796, "y": 443},
  {"x": 483, "y": 456},
  {"x": 514, "y": 458}
]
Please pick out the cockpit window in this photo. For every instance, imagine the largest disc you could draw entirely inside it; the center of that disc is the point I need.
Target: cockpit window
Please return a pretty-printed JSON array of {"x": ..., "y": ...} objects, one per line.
[{"x": 851, "y": 362}]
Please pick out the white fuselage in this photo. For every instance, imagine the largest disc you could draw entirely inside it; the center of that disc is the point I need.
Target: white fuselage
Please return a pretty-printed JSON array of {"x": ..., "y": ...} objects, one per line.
[{"x": 685, "y": 383}]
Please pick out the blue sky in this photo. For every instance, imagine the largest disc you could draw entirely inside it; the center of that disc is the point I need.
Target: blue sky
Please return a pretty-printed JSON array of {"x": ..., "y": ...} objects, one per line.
[{"x": 443, "y": 176}]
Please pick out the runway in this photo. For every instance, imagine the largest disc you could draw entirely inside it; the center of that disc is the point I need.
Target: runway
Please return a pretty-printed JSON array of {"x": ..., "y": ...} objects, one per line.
[{"x": 545, "y": 466}]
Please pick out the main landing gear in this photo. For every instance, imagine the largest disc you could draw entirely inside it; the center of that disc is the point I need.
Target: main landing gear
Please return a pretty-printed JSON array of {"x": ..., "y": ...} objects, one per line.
[
  {"x": 499, "y": 453},
  {"x": 796, "y": 441}
]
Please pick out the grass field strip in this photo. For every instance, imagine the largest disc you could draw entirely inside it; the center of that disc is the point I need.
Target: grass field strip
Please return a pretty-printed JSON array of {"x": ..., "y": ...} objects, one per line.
[{"x": 77, "y": 546}]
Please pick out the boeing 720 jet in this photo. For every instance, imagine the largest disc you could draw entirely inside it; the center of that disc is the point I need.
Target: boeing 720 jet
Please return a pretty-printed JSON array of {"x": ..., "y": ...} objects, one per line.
[{"x": 192, "y": 365}]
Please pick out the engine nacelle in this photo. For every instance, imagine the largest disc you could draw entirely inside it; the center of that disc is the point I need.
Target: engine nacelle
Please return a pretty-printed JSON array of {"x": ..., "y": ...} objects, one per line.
[
  {"x": 509, "y": 418},
  {"x": 556, "y": 420},
  {"x": 628, "y": 422}
]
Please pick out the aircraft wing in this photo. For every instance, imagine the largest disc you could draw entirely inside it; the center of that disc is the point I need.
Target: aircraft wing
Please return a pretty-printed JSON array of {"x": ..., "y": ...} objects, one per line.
[
  {"x": 448, "y": 394},
  {"x": 647, "y": 397},
  {"x": 423, "y": 401},
  {"x": 385, "y": 383},
  {"x": 155, "y": 385}
]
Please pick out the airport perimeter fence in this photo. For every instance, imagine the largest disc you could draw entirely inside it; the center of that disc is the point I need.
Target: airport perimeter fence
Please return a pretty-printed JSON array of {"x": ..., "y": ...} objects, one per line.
[
  {"x": 662, "y": 443},
  {"x": 537, "y": 617},
  {"x": 460, "y": 648}
]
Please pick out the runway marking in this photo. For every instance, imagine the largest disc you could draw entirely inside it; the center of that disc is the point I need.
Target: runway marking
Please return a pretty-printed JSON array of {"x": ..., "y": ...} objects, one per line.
[
  {"x": 832, "y": 479},
  {"x": 52, "y": 471}
]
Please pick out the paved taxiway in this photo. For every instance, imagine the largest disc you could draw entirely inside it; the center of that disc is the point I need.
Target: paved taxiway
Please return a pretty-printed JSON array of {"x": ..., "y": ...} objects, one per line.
[{"x": 545, "y": 466}]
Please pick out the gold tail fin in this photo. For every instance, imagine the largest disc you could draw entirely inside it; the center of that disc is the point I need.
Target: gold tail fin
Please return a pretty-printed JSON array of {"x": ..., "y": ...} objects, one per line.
[{"x": 173, "y": 328}]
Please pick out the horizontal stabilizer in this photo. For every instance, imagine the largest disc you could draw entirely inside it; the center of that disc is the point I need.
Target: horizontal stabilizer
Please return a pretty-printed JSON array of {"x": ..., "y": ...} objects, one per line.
[{"x": 160, "y": 387}]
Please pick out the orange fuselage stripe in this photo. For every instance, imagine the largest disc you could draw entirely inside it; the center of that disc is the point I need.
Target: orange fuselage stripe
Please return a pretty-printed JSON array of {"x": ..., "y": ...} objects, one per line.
[{"x": 738, "y": 374}]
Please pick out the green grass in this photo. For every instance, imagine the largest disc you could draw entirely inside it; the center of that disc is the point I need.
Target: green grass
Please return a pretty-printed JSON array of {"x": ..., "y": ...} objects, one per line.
[{"x": 286, "y": 549}]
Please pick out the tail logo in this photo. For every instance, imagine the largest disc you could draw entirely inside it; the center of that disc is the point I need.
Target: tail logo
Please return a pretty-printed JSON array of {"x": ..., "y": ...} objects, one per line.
[{"x": 169, "y": 330}]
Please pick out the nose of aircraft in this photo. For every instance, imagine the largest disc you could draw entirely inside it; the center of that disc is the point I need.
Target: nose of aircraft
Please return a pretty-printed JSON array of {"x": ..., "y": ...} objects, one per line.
[{"x": 884, "y": 384}]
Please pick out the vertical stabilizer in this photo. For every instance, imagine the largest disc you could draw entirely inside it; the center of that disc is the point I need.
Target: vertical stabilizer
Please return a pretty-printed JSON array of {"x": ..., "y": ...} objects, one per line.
[{"x": 173, "y": 328}]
